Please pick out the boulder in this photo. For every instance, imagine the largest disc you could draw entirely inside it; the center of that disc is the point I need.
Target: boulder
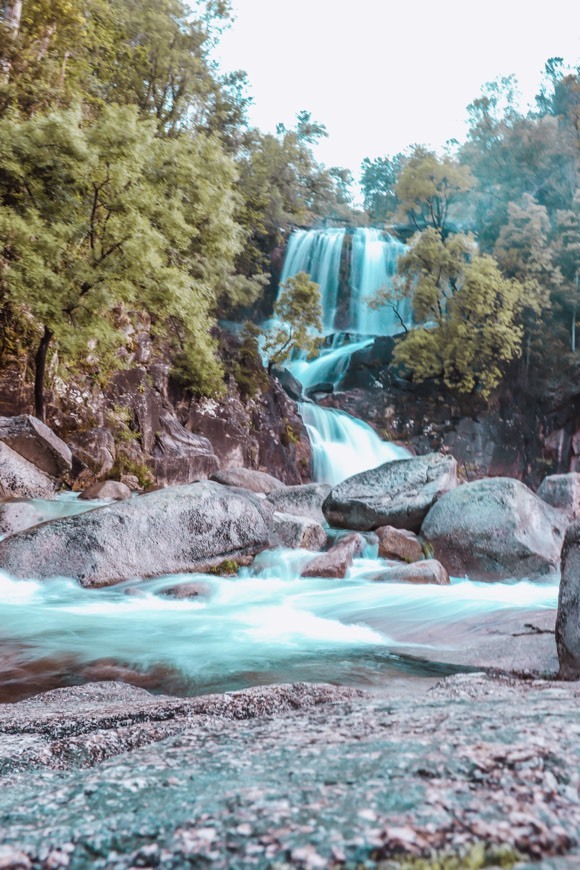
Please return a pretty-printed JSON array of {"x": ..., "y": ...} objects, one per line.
[
  {"x": 95, "y": 448},
  {"x": 568, "y": 619},
  {"x": 298, "y": 533},
  {"x": 336, "y": 561},
  {"x": 301, "y": 501},
  {"x": 179, "y": 456},
  {"x": 291, "y": 385},
  {"x": 15, "y": 516},
  {"x": 172, "y": 531},
  {"x": 493, "y": 529},
  {"x": 247, "y": 478},
  {"x": 35, "y": 442},
  {"x": 428, "y": 571},
  {"x": 562, "y": 491},
  {"x": 398, "y": 493},
  {"x": 399, "y": 544},
  {"x": 112, "y": 489},
  {"x": 21, "y": 479},
  {"x": 324, "y": 388}
]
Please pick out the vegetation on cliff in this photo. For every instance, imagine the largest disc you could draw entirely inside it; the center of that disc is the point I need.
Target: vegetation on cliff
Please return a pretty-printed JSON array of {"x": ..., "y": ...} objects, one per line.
[{"x": 132, "y": 188}]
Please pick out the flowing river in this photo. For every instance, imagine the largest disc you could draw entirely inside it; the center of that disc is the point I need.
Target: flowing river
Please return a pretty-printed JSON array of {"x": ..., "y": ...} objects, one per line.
[{"x": 266, "y": 625}]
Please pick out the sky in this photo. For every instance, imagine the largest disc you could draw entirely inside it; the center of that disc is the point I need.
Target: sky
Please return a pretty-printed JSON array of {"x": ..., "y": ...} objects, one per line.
[{"x": 383, "y": 74}]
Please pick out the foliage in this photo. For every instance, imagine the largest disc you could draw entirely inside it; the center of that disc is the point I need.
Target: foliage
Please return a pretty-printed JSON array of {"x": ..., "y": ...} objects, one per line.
[
  {"x": 101, "y": 219},
  {"x": 247, "y": 369},
  {"x": 298, "y": 314},
  {"x": 378, "y": 182},
  {"x": 467, "y": 314},
  {"x": 428, "y": 186}
]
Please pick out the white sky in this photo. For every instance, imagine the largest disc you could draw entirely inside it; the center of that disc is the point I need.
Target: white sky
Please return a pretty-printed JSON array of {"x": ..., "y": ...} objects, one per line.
[{"x": 382, "y": 74}]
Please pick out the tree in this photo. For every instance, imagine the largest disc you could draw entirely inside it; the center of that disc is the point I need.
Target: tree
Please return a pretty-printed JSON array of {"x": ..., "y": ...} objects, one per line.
[
  {"x": 378, "y": 181},
  {"x": 102, "y": 220},
  {"x": 465, "y": 310},
  {"x": 427, "y": 188},
  {"x": 298, "y": 319}
]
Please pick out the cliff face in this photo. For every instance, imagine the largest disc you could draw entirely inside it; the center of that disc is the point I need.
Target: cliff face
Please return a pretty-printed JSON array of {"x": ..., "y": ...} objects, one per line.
[{"x": 143, "y": 425}]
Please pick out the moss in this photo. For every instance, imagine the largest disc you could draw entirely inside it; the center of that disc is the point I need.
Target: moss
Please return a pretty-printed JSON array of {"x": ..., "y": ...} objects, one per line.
[
  {"x": 227, "y": 568},
  {"x": 477, "y": 857},
  {"x": 124, "y": 465},
  {"x": 289, "y": 435}
]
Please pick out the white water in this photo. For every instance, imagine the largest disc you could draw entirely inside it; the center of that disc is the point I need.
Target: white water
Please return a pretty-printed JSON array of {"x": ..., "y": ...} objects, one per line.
[
  {"x": 373, "y": 267},
  {"x": 264, "y": 626},
  {"x": 343, "y": 446},
  {"x": 329, "y": 367}
]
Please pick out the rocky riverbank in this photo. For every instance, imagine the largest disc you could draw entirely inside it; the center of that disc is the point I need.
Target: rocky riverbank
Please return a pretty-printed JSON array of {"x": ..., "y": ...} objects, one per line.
[{"x": 109, "y": 776}]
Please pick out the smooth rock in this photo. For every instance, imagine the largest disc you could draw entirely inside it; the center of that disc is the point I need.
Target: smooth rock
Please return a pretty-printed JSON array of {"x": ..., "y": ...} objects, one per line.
[
  {"x": 299, "y": 533},
  {"x": 301, "y": 501},
  {"x": 112, "y": 489},
  {"x": 34, "y": 441},
  {"x": 562, "y": 491},
  {"x": 427, "y": 571},
  {"x": 398, "y": 493},
  {"x": 336, "y": 561},
  {"x": 15, "y": 516},
  {"x": 247, "y": 478},
  {"x": 173, "y": 531},
  {"x": 568, "y": 620},
  {"x": 399, "y": 544},
  {"x": 495, "y": 529},
  {"x": 21, "y": 479}
]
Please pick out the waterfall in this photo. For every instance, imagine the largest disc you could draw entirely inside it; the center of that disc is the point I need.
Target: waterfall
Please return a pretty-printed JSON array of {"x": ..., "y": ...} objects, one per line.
[
  {"x": 343, "y": 446},
  {"x": 373, "y": 267},
  {"x": 317, "y": 252}
]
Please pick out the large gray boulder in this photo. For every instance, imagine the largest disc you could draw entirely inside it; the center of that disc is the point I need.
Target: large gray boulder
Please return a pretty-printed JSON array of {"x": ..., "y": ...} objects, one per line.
[
  {"x": 562, "y": 491},
  {"x": 17, "y": 515},
  {"x": 493, "y": 529},
  {"x": 36, "y": 443},
  {"x": 170, "y": 531},
  {"x": 301, "y": 501},
  {"x": 248, "y": 478},
  {"x": 398, "y": 494},
  {"x": 568, "y": 620},
  {"x": 21, "y": 479}
]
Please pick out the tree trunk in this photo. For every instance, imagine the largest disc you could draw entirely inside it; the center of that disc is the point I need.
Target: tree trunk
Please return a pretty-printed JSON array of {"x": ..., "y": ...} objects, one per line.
[
  {"x": 39, "y": 373},
  {"x": 13, "y": 16}
]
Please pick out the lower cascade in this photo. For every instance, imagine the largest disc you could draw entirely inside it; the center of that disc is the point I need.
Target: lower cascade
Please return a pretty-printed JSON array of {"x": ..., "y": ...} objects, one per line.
[{"x": 343, "y": 446}]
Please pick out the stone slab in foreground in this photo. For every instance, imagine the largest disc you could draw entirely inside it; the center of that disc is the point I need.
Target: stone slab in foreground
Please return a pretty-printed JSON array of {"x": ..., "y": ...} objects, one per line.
[
  {"x": 171, "y": 531},
  {"x": 474, "y": 764}
]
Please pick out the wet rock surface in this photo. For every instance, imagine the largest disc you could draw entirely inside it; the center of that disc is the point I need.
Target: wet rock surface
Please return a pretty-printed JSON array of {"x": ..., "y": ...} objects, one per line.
[
  {"x": 112, "y": 777},
  {"x": 399, "y": 544},
  {"x": 427, "y": 571},
  {"x": 171, "y": 531},
  {"x": 398, "y": 493},
  {"x": 495, "y": 528}
]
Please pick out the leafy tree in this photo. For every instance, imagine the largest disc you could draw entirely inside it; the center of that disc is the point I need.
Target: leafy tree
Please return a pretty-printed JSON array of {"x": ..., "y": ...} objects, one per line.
[
  {"x": 298, "y": 317},
  {"x": 427, "y": 188},
  {"x": 378, "y": 181},
  {"x": 104, "y": 219},
  {"x": 467, "y": 314}
]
